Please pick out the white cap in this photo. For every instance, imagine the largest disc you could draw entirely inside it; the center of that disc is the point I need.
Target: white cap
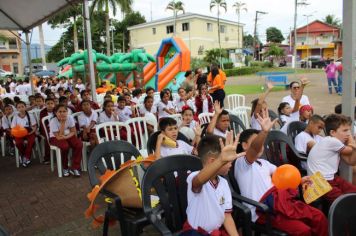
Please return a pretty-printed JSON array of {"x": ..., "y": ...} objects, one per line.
[
  {"x": 188, "y": 132},
  {"x": 151, "y": 119}
]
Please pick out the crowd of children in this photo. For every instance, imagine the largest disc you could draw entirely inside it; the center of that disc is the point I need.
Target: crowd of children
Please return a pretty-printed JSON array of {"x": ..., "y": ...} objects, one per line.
[{"x": 209, "y": 196}]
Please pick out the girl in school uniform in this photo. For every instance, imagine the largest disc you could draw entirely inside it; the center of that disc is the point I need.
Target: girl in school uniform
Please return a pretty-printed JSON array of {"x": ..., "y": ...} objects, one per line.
[
  {"x": 63, "y": 134},
  {"x": 108, "y": 113},
  {"x": 148, "y": 107},
  {"x": 28, "y": 121},
  {"x": 87, "y": 121},
  {"x": 165, "y": 107},
  {"x": 203, "y": 101}
]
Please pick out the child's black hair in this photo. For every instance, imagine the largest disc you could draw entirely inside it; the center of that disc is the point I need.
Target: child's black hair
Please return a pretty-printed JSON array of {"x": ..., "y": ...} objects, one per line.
[
  {"x": 223, "y": 113},
  {"x": 253, "y": 106},
  {"x": 187, "y": 73},
  {"x": 334, "y": 121},
  {"x": 165, "y": 122},
  {"x": 209, "y": 145},
  {"x": 84, "y": 101},
  {"x": 316, "y": 118},
  {"x": 8, "y": 101},
  {"x": 62, "y": 99},
  {"x": 17, "y": 99},
  {"x": 187, "y": 108},
  {"x": 106, "y": 103},
  {"x": 244, "y": 137},
  {"x": 60, "y": 89},
  {"x": 20, "y": 102},
  {"x": 82, "y": 92},
  {"x": 149, "y": 89},
  {"x": 121, "y": 98},
  {"x": 281, "y": 107},
  {"x": 162, "y": 93},
  {"x": 146, "y": 99},
  {"x": 136, "y": 92},
  {"x": 49, "y": 99}
]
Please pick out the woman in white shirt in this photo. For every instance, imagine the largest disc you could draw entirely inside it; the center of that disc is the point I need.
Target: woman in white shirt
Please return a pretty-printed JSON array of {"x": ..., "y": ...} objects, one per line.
[
  {"x": 63, "y": 134},
  {"x": 165, "y": 107}
]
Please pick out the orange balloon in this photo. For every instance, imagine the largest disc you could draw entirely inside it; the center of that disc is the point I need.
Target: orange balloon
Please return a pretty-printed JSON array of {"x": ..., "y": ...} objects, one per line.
[
  {"x": 19, "y": 132},
  {"x": 286, "y": 176},
  {"x": 101, "y": 90}
]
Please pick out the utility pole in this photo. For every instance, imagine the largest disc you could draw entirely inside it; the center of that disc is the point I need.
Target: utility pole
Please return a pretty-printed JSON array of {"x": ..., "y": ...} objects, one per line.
[
  {"x": 42, "y": 49},
  {"x": 255, "y": 53},
  {"x": 307, "y": 38},
  {"x": 151, "y": 10},
  {"x": 296, "y": 4}
]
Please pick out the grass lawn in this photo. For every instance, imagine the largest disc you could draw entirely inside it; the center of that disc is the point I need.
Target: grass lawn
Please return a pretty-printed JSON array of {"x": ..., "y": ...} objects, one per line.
[
  {"x": 248, "y": 89},
  {"x": 298, "y": 70}
]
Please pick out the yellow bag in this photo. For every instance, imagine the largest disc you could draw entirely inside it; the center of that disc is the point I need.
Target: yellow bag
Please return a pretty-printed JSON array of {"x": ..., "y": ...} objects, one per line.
[{"x": 124, "y": 182}]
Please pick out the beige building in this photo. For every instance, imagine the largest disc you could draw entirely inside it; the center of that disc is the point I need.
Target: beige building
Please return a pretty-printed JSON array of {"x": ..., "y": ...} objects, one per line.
[
  {"x": 10, "y": 53},
  {"x": 199, "y": 32}
]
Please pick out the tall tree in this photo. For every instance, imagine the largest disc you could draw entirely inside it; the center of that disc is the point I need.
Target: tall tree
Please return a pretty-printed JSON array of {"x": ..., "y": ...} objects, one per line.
[
  {"x": 105, "y": 5},
  {"x": 275, "y": 51},
  {"x": 175, "y": 7},
  {"x": 248, "y": 41},
  {"x": 240, "y": 6},
  {"x": 332, "y": 20},
  {"x": 218, "y": 4},
  {"x": 274, "y": 35},
  {"x": 68, "y": 18}
]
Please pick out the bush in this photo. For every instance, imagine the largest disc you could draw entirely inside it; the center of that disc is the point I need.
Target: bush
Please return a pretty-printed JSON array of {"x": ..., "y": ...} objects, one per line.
[
  {"x": 197, "y": 63},
  {"x": 228, "y": 65},
  {"x": 263, "y": 64},
  {"x": 242, "y": 71}
]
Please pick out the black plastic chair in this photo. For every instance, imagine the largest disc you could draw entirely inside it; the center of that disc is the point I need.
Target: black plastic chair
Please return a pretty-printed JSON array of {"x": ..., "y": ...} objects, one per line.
[
  {"x": 167, "y": 177},
  {"x": 247, "y": 225},
  {"x": 274, "y": 116},
  {"x": 294, "y": 128},
  {"x": 152, "y": 140},
  {"x": 279, "y": 149},
  {"x": 110, "y": 155},
  {"x": 342, "y": 216},
  {"x": 236, "y": 124}
]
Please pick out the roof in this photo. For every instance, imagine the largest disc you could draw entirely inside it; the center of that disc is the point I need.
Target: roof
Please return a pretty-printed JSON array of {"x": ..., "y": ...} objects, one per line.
[
  {"x": 185, "y": 16},
  {"x": 25, "y": 15},
  {"x": 315, "y": 27}
]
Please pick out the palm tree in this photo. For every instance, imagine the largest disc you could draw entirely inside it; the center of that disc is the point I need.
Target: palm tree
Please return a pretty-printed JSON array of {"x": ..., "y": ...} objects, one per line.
[
  {"x": 64, "y": 19},
  {"x": 175, "y": 7},
  {"x": 125, "y": 6},
  {"x": 332, "y": 20},
  {"x": 218, "y": 4},
  {"x": 240, "y": 6}
]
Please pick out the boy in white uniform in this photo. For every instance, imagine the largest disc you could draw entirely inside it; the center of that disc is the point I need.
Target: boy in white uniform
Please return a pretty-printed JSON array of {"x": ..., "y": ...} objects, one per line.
[
  {"x": 169, "y": 130},
  {"x": 209, "y": 196},
  {"x": 325, "y": 155},
  {"x": 306, "y": 139},
  {"x": 125, "y": 112},
  {"x": 220, "y": 122}
]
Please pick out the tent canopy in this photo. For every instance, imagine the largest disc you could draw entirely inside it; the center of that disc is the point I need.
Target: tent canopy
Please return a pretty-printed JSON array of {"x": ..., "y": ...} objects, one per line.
[{"x": 25, "y": 15}]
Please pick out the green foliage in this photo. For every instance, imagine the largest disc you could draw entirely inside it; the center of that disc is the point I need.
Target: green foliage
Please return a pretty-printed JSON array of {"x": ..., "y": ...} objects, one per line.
[
  {"x": 64, "y": 19},
  {"x": 248, "y": 59},
  {"x": 36, "y": 60},
  {"x": 197, "y": 63},
  {"x": 242, "y": 71},
  {"x": 228, "y": 65},
  {"x": 262, "y": 64},
  {"x": 275, "y": 51},
  {"x": 274, "y": 35},
  {"x": 332, "y": 20},
  {"x": 218, "y": 4},
  {"x": 105, "y": 5},
  {"x": 175, "y": 6},
  {"x": 212, "y": 56}
]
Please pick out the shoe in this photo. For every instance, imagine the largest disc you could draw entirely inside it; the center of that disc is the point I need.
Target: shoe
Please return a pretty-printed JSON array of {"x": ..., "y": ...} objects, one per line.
[
  {"x": 46, "y": 162},
  {"x": 12, "y": 151},
  {"x": 65, "y": 172},
  {"x": 25, "y": 162},
  {"x": 75, "y": 173}
]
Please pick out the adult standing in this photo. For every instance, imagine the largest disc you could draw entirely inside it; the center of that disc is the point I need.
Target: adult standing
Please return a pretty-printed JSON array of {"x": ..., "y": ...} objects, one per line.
[
  {"x": 216, "y": 82},
  {"x": 296, "y": 99},
  {"x": 330, "y": 71},
  {"x": 339, "y": 78}
]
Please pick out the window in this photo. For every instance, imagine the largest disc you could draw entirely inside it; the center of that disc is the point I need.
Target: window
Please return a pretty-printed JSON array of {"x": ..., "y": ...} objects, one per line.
[
  {"x": 222, "y": 29},
  {"x": 15, "y": 68},
  {"x": 185, "y": 27},
  {"x": 209, "y": 27},
  {"x": 153, "y": 30},
  {"x": 2, "y": 44},
  {"x": 169, "y": 29},
  {"x": 14, "y": 56}
]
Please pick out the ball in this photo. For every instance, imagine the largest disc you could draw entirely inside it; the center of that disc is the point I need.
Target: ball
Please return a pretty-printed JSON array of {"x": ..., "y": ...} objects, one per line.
[
  {"x": 286, "y": 176},
  {"x": 19, "y": 131}
]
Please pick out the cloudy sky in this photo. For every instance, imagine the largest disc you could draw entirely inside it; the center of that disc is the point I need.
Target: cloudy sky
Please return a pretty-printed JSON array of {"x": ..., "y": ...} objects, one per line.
[{"x": 280, "y": 14}]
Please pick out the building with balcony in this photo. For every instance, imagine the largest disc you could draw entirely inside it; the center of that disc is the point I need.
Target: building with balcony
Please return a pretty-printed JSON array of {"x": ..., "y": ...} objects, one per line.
[
  {"x": 199, "y": 32},
  {"x": 318, "y": 39},
  {"x": 10, "y": 52}
]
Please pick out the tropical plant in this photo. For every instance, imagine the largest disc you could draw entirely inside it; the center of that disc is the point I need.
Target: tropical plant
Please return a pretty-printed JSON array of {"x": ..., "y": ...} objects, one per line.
[
  {"x": 240, "y": 6},
  {"x": 274, "y": 35},
  {"x": 175, "y": 7},
  {"x": 218, "y": 4},
  {"x": 105, "y": 5},
  {"x": 198, "y": 63},
  {"x": 214, "y": 56},
  {"x": 68, "y": 18},
  {"x": 332, "y": 20},
  {"x": 275, "y": 51}
]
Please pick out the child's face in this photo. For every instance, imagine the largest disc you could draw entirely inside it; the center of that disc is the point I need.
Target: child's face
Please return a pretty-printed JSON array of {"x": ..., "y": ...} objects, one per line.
[
  {"x": 79, "y": 81},
  {"x": 86, "y": 96},
  {"x": 86, "y": 107},
  {"x": 121, "y": 104},
  {"x": 62, "y": 113},
  {"x": 316, "y": 127},
  {"x": 165, "y": 98},
  {"x": 171, "y": 132},
  {"x": 21, "y": 108},
  {"x": 174, "y": 81},
  {"x": 223, "y": 123},
  {"x": 50, "y": 106},
  {"x": 306, "y": 115},
  {"x": 203, "y": 90},
  {"x": 188, "y": 116},
  {"x": 149, "y": 103},
  {"x": 32, "y": 100},
  {"x": 342, "y": 133},
  {"x": 287, "y": 110},
  {"x": 109, "y": 108},
  {"x": 39, "y": 102},
  {"x": 246, "y": 145},
  {"x": 8, "y": 110},
  {"x": 56, "y": 101},
  {"x": 150, "y": 93},
  {"x": 181, "y": 93}
]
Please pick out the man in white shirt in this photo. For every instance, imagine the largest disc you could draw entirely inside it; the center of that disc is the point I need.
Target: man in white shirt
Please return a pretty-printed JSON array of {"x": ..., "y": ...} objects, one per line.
[{"x": 296, "y": 99}]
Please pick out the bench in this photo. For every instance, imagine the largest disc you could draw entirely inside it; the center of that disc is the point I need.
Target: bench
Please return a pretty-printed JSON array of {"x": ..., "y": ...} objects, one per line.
[{"x": 278, "y": 80}]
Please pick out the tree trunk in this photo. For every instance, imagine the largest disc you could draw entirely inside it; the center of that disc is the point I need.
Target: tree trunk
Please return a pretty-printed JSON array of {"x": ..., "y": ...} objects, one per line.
[
  {"x": 219, "y": 38},
  {"x": 107, "y": 28},
  {"x": 75, "y": 34},
  {"x": 43, "y": 54},
  {"x": 123, "y": 33}
]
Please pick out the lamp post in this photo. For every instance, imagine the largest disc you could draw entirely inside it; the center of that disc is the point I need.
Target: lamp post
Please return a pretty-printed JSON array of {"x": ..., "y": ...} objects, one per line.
[
  {"x": 296, "y": 4},
  {"x": 255, "y": 33},
  {"x": 307, "y": 38}
]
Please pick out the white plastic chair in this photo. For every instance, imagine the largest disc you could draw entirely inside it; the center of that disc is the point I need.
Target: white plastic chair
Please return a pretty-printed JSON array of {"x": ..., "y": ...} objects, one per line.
[
  {"x": 100, "y": 99},
  {"x": 177, "y": 117},
  {"x": 85, "y": 144},
  {"x": 40, "y": 146},
  {"x": 138, "y": 132},
  {"x": 235, "y": 100},
  {"x": 205, "y": 118},
  {"x": 243, "y": 113},
  {"x": 3, "y": 141},
  {"x": 111, "y": 130}
]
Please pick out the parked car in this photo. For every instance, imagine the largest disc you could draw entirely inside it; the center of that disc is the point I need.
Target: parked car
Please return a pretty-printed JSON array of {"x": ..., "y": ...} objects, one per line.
[
  {"x": 45, "y": 73},
  {"x": 313, "y": 62},
  {"x": 4, "y": 73}
]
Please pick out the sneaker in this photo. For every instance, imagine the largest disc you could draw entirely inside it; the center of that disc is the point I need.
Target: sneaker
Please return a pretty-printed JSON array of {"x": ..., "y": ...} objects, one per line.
[
  {"x": 65, "y": 172},
  {"x": 12, "y": 151},
  {"x": 25, "y": 162},
  {"x": 75, "y": 173},
  {"x": 46, "y": 162}
]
